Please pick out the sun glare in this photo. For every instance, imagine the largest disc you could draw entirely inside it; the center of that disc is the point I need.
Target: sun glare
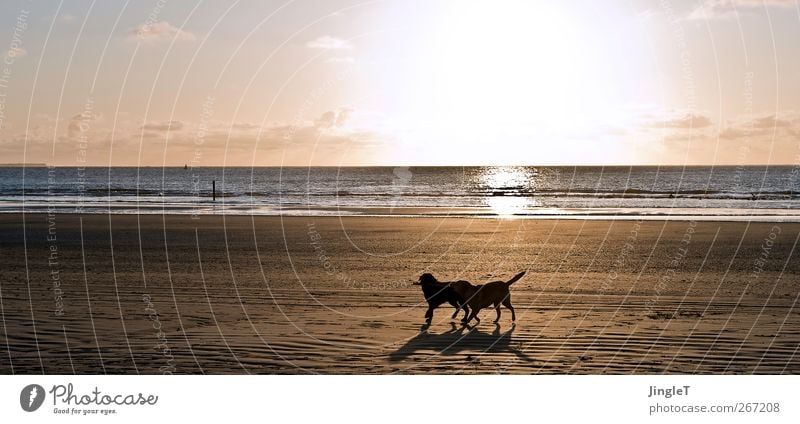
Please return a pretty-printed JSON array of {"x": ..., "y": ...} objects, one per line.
[
  {"x": 508, "y": 189},
  {"x": 514, "y": 62},
  {"x": 511, "y": 75}
]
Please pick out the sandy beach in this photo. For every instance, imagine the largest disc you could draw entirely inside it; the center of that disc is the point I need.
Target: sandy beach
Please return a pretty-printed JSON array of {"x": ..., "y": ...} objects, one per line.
[{"x": 127, "y": 294}]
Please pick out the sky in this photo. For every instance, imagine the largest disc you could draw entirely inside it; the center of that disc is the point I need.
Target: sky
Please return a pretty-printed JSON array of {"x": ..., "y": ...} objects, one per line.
[{"x": 399, "y": 82}]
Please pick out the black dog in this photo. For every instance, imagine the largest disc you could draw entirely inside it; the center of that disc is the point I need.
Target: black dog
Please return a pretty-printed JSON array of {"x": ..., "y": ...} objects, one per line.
[{"x": 437, "y": 293}]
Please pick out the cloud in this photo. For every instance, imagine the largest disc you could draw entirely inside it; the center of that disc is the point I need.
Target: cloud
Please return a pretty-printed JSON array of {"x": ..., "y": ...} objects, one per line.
[
  {"x": 163, "y": 126},
  {"x": 669, "y": 138},
  {"x": 82, "y": 123},
  {"x": 723, "y": 9},
  {"x": 332, "y": 129},
  {"x": 327, "y": 137},
  {"x": 15, "y": 53},
  {"x": 771, "y": 121},
  {"x": 158, "y": 31},
  {"x": 688, "y": 121},
  {"x": 245, "y": 126},
  {"x": 334, "y": 118},
  {"x": 732, "y": 133},
  {"x": 66, "y": 18},
  {"x": 763, "y": 126},
  {"x": 693, "y": 126},
  {"x": 326, "y": 42}
]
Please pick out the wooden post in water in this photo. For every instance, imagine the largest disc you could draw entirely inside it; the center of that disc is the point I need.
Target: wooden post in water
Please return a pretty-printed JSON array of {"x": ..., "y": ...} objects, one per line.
[{"x": 213, "y": 190}]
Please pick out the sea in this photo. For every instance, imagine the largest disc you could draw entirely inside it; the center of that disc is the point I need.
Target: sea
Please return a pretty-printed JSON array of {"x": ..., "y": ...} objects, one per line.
[{"x": 731, "y": 193}]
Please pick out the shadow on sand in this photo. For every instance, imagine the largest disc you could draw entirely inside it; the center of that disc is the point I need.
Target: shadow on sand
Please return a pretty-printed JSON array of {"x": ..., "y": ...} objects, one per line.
[{"x": 462, "y": 340}]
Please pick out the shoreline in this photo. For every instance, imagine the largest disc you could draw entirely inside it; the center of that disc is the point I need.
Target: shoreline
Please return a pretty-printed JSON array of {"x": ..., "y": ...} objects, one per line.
[{"x": 426, "y": 213}]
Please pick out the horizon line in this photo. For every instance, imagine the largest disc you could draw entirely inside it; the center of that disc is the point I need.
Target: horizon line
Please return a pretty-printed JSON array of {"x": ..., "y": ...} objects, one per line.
[{"x": 45, "y": 165}]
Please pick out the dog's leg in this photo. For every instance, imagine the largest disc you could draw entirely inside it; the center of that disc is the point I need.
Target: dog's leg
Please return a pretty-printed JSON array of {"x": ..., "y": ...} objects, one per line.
[
  {"x": 429, "y": 315},
  {"x": 507, "y": 304},
  {"x": 456, "y": 305},
  {"x": 497, "y": 308},
  {"x": 474, "y": 314},
  {"x": 469, "y": 318}
]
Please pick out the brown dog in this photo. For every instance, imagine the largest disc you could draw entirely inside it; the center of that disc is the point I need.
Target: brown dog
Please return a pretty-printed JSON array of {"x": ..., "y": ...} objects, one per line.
[{"x": 485, "y": 295}]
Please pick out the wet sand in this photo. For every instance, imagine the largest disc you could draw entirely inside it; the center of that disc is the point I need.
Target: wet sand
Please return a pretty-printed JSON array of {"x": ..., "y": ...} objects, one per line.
[{"x": 160, "y": 294}]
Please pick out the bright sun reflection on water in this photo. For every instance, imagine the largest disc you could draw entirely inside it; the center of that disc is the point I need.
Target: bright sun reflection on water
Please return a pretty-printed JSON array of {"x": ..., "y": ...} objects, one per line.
[{"x": 508, "y": 189}]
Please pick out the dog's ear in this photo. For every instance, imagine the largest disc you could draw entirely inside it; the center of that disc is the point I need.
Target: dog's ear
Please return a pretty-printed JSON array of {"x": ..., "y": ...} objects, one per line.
[{"x": 427, "y": 278}]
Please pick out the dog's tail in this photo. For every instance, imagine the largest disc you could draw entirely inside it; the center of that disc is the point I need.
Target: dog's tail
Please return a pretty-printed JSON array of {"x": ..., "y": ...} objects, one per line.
[{"x": 515, "y": 278}]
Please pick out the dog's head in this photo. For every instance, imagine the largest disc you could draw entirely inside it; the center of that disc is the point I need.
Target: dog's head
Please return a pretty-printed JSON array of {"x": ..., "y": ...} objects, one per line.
[{"x": 426, "y": 278}]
